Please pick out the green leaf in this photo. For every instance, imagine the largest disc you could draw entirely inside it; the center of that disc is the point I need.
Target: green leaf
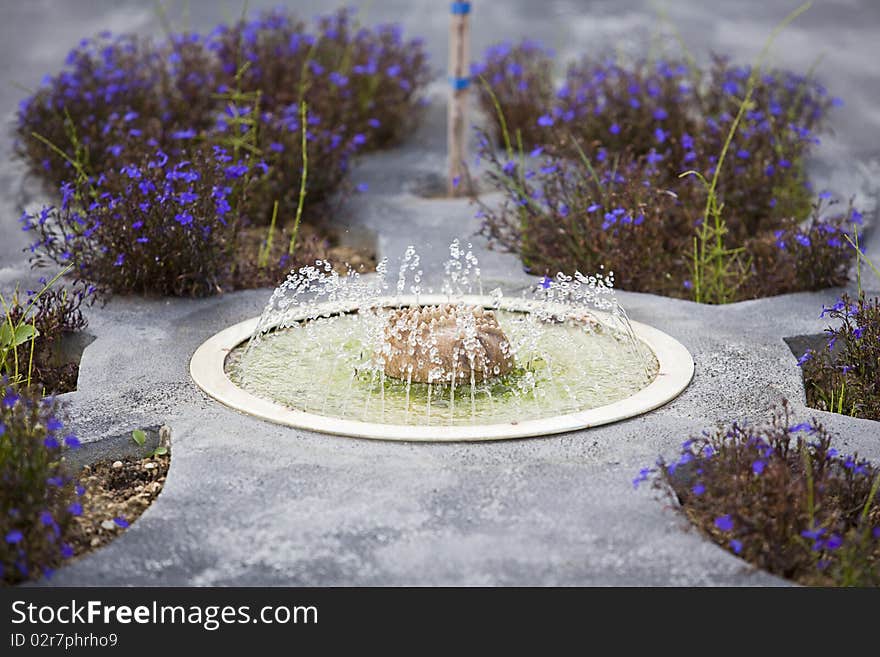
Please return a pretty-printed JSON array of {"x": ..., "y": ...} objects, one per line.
[
  {"x": 5, "y": 335},
  {"x": 23, "y": 333},
  {"x": 139, "y": 437},
  {"x": 160, "y": 451}
]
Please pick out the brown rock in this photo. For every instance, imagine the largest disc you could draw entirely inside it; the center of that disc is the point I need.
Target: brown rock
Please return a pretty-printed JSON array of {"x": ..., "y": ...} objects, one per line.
[{"x": 434, "y": 344}]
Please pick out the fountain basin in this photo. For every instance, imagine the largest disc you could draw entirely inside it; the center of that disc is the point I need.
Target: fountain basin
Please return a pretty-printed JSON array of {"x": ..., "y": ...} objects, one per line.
[{"x": 673, "y": 372}]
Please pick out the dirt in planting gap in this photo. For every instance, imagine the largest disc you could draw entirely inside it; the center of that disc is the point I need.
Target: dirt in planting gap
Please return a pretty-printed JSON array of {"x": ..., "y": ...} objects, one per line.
[{"x": 116, "y": 494}]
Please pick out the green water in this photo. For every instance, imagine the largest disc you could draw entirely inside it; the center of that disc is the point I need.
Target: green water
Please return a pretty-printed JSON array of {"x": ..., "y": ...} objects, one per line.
[{"x": 323, "y": 367}]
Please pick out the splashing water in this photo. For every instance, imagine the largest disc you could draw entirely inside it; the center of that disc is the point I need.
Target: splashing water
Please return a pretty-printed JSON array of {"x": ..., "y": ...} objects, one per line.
[{"x": 341, "y": 345}]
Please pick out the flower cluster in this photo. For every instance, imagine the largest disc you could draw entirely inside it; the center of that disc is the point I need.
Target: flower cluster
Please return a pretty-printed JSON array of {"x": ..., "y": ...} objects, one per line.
[
  {"x": 54, "y": 313},
  {"x": 570, "y": 218},
  {"x": 780, "y": 496},
  {"x": 671, "y": 118},
  {"x": 520, "y": 79},
  {"x": 844, "y": 376},
  {"x": 37, "y": 498},
  {"x": 160, "y": 224},
  {"x": 365, "y": 81},
  {"x": 153, "y": 146},
  {"x": 116, "y": 92}
]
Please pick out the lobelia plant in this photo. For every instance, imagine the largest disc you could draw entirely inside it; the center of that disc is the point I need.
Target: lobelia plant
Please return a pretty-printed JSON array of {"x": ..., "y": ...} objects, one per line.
[
  {"x": 37, "y": 498},
  {"x": 32, "y": 332},
  {"x": 124, "y": 102},
  {"x": 844, "y": 376},
  {"x": 671, "y": 117},
  {"x": 781, "y": 497},
  {"x": 160, "y": 224}
]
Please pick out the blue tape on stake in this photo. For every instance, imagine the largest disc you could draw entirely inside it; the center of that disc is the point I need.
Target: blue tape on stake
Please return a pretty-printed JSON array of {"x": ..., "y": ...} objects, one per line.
[
  {"x": 460, "y": 7},
  {"x": 460, "y": 83}
]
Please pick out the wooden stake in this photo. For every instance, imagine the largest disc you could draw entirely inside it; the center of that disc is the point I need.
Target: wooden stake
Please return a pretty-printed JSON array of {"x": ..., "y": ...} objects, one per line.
[{"x": 459, "y": 80}]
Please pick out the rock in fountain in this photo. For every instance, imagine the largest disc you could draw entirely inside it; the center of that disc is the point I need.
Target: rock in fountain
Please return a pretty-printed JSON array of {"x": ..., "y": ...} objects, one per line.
[{"x": 444, "y": 344}]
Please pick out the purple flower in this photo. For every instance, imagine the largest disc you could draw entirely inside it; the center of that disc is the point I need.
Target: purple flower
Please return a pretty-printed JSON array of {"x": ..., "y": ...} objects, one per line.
[
  {"x": 545, "y": 121},
  {"x": 120, "y": 260},
  {"x": 803, "y": 240},
  {"x": 642, "y": 476},
  {"x": 660, "y": 135},
  {"x": 614, "y": 129},
  {"x": 545, "y": 282},
  {"x": 803, "y": 426},
  {"x": 75, "y": 509},
  {"x": 834, "y": 541},
  {"x": 183, "y": 134},
  {"x": 743, "y": 154},
  {"x": 758, "y": 466},
  {"x": 66, "y": 551},
  {"x": 54, "y": 424},
  {"x": 660, "y": 114},
  {"x": 724, "y": 523},
  {"x": 813, "y": 534},
  {"x": 72, "y": 441},
  {"x": 803, "y": 359},
  {"x": 736, "y": 546},
  {"x": 362, "y": 187},
  {"x": 13, "y": 537},
  {"x": 236, "y": 171},
  {"x": 121, "y": 522},
  {"x": 51, "y": 443},
  {"x": 858, "y": 332},
  {"x": 338, "y": 79},
  {"x": 359, "y": 139},
  {"x": 183, "y": 218},
  {"x": 131, "y": 171},
  {"x": 10, "y": 399},
  {"x": 698, "y": 489}
]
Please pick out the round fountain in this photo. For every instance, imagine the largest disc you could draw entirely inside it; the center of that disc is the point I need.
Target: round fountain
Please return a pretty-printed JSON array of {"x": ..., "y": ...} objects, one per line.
[{"x": 356, "y": 355}]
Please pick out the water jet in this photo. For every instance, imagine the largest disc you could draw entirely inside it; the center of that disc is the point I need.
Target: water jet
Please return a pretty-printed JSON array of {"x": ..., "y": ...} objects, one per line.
[{"x": 352, "y": 355}]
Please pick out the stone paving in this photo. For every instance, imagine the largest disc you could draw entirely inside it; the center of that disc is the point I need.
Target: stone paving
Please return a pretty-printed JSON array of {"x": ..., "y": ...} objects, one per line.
[{"x": 250, "y": 503}]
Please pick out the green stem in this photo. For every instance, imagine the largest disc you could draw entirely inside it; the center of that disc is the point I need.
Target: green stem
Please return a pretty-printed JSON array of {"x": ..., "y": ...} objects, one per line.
[{"x": 302, "y": 183}]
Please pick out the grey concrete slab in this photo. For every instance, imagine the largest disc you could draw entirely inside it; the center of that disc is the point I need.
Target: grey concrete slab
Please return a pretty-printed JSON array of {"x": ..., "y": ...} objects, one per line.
[{"x": 250, "y": 503}]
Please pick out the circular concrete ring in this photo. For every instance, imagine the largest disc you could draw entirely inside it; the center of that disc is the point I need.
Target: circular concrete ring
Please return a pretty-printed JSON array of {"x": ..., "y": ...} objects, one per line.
[{"x": 209, "y": 372}]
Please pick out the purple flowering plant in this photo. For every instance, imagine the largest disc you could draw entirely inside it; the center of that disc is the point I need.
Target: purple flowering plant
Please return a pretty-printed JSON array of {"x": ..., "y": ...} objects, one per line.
[
  {"x": 33, "y": 329},
  {"x": 37, "y": 496},
  {"x": 780, "y": 496},
  {"x": 159, "y": 224},
  {"x": 628, "y": 131},
  {"x": 167, "y": 156},
  {"x": 521, "y": 78},
  {"x": 843, "y": 376}
]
